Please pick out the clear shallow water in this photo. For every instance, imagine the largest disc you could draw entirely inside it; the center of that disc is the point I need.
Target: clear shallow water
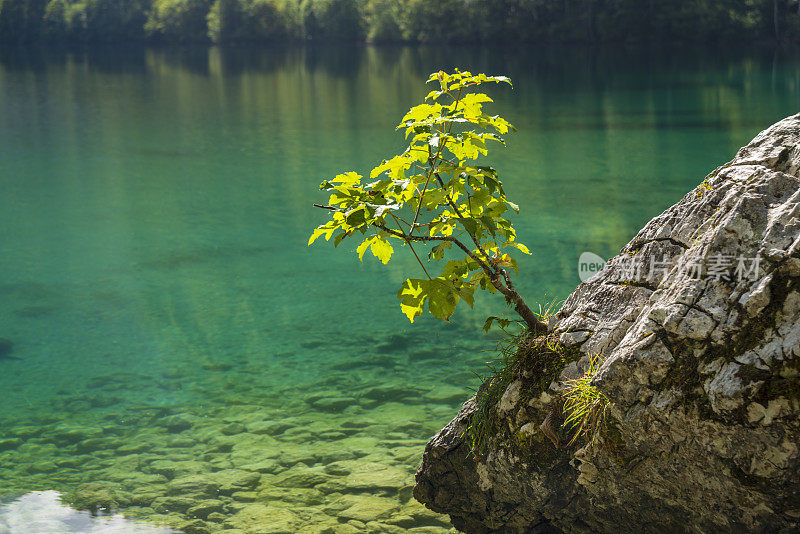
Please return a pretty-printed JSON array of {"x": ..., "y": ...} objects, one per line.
[{"x": 154, "y": 278}]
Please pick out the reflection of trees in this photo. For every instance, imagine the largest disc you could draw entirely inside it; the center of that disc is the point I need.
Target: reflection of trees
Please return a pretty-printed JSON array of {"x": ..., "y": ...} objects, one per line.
[{"x": 607, "y": 137}]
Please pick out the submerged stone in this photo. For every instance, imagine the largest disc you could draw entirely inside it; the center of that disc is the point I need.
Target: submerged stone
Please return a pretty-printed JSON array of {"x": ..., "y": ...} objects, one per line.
[
  {"x": 175, "y": 503},
  {"x": 94, "y": 496},
  {"x": 264, "y": 519},
  {"x": 366, "y": 508},
  {"x": 370, "y": 477},
  {"x": 333, "y": 404},
  {"x": 8, "y": 444},
  {"x": 196, "y": 526},
  {"x": 301, "y": 478}
]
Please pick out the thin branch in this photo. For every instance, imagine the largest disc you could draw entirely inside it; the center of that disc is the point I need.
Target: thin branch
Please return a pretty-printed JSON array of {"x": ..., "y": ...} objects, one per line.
[
  {"x": 401, "y": 220},
  {"x": 411, "y": 247},
  {"x": 431, "y": 172},
  {"x": 423, "y": 238},
  {"x": 474, "y": 239},
  {"x": 495, "y": 272},
  {"x": 419, "y": 205}
]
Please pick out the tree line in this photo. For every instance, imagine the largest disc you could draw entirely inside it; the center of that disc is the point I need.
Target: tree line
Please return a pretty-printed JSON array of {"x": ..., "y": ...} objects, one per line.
[{"x": 242, "y": 21}]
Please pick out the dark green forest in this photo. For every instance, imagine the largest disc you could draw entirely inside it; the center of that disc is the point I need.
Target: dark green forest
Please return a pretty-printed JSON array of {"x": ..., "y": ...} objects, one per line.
[{"x": 242, "y": 21}]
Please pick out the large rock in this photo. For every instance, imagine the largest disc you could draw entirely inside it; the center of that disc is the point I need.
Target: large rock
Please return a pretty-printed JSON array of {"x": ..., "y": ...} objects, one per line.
[{"x": 701, "y": 369}]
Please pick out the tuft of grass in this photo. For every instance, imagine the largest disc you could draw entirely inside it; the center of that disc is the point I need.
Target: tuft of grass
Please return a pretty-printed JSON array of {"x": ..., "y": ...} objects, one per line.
[
  {"x": 585, "y": 406},
  {"x": 548, "y": 308},
  {"x": 521, "y": 353},
  {"x": 483, "y": 422}
]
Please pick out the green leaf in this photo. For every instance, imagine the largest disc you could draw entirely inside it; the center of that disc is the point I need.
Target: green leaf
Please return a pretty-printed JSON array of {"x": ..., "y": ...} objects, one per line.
[
  {"x": 434, "y": 197},
  {"x": 488, "y": 222},
  {"x": 356, "y": 217},
  {"x": 503, "y": 323},
  {"x": 522, "y": 248},
  {"x": 470, "y": 225},
  {"x": 379, "y": 246},
  {"x": 362, "y": 248},
  {"x": 326, "y": 229},
  {"x": 421, "y": 113},
  {"x": 412, "y": 299},
  {"x": 382, "y": 249},
  {"x": 437, "y": 252},
  {"x": 442, "y": 299},
  {"x": 395, "y": 166},
  {"x": 349, "y": 178},
  {"x": 338, "y": 239},
  {"x": 433, "y": 95},
  {"x": 467, "y": 294},
  {"x": 444, "y": 228},
  {"x": 471, "y": 104}
]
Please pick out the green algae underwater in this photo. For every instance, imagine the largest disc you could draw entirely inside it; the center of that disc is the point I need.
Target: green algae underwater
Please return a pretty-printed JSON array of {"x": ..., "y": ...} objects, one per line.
[{"x": 173, "y": 350}]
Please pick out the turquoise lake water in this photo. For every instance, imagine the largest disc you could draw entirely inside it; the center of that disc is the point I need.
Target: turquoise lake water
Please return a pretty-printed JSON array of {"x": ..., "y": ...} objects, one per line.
[{"x": 174, "y": 340}]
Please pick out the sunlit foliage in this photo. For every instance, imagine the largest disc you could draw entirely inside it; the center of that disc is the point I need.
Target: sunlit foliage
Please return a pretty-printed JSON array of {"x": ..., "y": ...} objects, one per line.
[{"x": 433, "y": 197}]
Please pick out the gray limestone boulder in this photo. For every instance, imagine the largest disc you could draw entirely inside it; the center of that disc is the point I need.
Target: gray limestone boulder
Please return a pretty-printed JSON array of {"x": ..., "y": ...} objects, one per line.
[{"x": 697, "y": 325}]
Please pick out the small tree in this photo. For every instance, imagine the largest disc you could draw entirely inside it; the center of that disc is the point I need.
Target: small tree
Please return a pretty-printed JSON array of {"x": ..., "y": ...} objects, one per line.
[{"x": 434, "y": 196}]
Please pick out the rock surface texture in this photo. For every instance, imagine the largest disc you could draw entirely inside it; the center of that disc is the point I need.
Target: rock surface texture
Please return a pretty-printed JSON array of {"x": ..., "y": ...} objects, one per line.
[{"x": 698, "y": 324}]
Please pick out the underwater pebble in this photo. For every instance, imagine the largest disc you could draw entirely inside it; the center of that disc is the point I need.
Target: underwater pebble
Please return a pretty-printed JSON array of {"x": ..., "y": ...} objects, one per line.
[
  {"x": 198, "y": 484},
  {"x": 63, "y": 436},
  {"x": 244, "y": 496},
  {"x": 26, "y": 432},
  {"x": 178, "y": 422},
  {"x": 204, "y": 508},
  {"x": 268, "y": 427},
  {"x": 301, "y": 478},
  {"x": 217, "y": 517},
  {"x": 264, "y": 519},
  {"x": 333, "y": 404},
  {"x": 331, "y": 435},
  {"x": 94, "y": 496},
  {"x": 180, "y": 443},
  {"x": 364, "y": 508},
  {"x": 233, "y": 428},
  {"x": 196, "y": 526},
  {"x": 41, "y": 467},
  {"x": 371, "y": 476},
  {"x": 173, "y": 503},
  {"x": 8, "y": 444},
  {"x": 264, "y": 466},
  {"x": 69, "y": 462},
  {"x": 170, "y": 469},
  {"x": 132, "y": 448}
]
